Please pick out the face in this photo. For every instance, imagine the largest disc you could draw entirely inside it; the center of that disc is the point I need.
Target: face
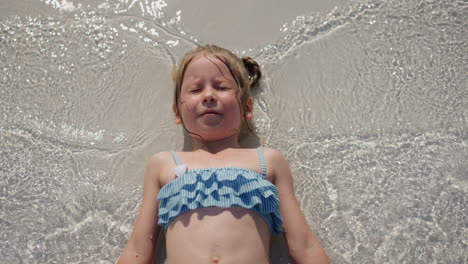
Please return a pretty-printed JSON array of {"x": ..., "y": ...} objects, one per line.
[{"x": 208, "y": 104}]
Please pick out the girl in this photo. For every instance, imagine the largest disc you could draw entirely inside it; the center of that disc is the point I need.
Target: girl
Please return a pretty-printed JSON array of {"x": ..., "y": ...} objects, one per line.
[{"x": 218, "y": 203}]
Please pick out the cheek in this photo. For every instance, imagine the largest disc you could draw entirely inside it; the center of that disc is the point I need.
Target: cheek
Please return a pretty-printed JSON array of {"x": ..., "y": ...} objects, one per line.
[
  {"x": 236, "y": 111},
  {"x": 183, "y": 112},
  {"x": 187, "y": 106}
]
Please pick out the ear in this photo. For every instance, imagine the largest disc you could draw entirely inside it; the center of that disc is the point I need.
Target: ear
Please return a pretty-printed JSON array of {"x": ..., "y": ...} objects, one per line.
[
  {"x": 178, "y": 118},
  {"x": 248, "y": 109}
]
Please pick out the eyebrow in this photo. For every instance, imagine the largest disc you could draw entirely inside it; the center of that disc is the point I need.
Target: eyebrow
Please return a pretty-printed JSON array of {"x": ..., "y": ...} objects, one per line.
[
  {"x": 217, "y": 80},
  {"x": 193, "y": 80},
  {"x": 223, "y": 79}
]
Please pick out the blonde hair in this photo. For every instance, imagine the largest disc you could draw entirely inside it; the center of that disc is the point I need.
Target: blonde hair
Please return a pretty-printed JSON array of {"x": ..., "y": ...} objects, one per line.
[{"x": 245, "y": 71}]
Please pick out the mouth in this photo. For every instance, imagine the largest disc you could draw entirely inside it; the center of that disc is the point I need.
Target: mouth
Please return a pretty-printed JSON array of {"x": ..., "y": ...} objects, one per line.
[{"x": 210, "y": 112}]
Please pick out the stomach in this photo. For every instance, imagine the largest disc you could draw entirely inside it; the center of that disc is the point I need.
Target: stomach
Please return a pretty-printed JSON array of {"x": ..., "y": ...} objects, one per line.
[{"x": 218, "y": 235}]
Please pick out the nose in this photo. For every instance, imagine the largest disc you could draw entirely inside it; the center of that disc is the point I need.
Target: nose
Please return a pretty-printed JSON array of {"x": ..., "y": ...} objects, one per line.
[{"x": 209, "y": 95}]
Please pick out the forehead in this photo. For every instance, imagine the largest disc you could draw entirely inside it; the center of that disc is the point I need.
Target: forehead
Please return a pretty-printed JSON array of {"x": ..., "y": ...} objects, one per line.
[{"x": 207, "y": 67}]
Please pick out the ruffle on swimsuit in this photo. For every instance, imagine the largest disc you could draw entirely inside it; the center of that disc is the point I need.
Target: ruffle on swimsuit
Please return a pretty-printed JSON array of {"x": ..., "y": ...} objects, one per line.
[{"x": 220, "y": 187}]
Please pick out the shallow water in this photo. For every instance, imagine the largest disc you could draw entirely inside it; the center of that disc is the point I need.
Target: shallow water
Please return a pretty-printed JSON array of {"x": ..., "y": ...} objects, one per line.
[{"x": 368, "y": 101}]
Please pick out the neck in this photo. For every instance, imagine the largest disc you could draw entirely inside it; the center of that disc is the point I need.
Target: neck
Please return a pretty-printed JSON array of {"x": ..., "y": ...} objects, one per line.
[{"x": 217, "y": 145}]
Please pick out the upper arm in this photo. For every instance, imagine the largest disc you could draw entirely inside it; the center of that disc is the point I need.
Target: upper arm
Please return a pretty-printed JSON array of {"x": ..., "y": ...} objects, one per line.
[
  {"x": 142, "y": 242},
  {"x": 304, "y": 247}
]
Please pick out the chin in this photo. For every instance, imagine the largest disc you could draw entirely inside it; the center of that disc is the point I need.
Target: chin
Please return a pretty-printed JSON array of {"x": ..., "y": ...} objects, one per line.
[
  {"x": 214, "y": 134},
  {"x": 213, "y": 137}
]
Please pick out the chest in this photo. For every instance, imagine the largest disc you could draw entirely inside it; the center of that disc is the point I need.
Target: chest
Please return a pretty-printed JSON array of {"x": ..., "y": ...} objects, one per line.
[{"x": 195, "y": 161}]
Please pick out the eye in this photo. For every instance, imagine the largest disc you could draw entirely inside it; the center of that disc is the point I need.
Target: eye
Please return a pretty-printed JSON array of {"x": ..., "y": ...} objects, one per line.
[
  {"x": 194, "y": 90},
  {"x": 223, "y": 87}
]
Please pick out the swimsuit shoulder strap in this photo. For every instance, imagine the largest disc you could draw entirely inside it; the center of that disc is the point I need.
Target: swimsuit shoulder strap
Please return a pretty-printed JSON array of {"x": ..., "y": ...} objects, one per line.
[
  {"x": 176, "y": 158},
  {"x": 261, "y": 158}
]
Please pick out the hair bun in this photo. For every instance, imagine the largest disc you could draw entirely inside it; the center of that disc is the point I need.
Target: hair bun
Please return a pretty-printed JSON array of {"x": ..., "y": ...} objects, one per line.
[{"x": 253, "y": 69}]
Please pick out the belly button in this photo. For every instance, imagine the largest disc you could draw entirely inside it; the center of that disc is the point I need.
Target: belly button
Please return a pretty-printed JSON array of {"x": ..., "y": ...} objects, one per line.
[{"x": 215, "y": 259}]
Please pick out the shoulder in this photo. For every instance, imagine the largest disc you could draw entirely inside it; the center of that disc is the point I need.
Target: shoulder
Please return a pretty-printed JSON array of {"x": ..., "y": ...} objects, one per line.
[
  {"x": 273, "y": 156},
  {"x": 157, "y": 165},
  {"x": 159, "y": 159},
  {"x": 276, "y": 162}
]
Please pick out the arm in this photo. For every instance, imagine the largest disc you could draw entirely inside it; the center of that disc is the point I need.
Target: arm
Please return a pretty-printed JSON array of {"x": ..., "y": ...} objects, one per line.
[
  {"x": 303, "y": 246},
  {"x": 141, "y": 245}
]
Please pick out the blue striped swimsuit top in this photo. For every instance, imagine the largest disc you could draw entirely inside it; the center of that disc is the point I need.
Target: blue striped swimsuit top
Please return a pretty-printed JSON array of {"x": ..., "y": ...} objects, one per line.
[{"x": 220, "y": 187}]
